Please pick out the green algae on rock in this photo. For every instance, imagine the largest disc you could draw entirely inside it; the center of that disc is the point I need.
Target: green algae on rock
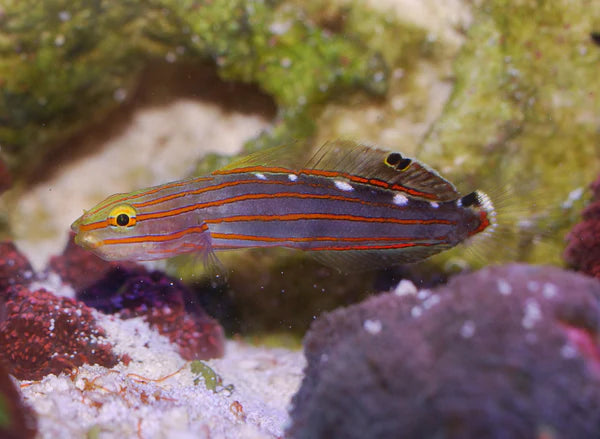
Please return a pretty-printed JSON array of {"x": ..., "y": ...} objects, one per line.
[
  {"x": 65, "y": 64},
  {"x": 525, "y": 112}
]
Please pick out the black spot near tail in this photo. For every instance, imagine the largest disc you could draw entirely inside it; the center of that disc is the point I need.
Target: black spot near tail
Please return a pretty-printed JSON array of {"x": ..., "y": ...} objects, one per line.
[{"x": 471, "y": 199}]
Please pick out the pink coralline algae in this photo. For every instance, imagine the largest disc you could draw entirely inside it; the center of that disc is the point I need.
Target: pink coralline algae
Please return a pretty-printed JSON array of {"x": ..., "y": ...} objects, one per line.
[
  {"x": 41, "y": 333},
  {"x": 505, "y": 352},
  {"x": 130, "y": 290},
  {"x": 583, "y": 249}
]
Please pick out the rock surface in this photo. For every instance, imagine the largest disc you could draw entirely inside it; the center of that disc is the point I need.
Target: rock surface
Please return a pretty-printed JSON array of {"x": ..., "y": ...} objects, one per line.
[{"x": 508, "y": 351}]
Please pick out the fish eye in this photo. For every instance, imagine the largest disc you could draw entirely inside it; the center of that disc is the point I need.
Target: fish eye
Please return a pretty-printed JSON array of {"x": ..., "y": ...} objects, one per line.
[
  {"x": 123, "y": 219},
  {"x": 122, "y": 216}
]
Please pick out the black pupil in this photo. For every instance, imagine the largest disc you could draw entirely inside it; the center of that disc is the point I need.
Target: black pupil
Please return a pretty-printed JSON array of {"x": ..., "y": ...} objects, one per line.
[{"x": 122, "y": 219}]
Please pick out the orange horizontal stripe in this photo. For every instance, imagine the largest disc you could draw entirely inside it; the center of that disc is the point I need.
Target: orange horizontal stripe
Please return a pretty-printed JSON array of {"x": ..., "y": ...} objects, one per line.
[
  {"x": 211, "y": 188},
  {"x": 245, "y": 197},
  {"x": 310, "y": 239},
  {"x": 374, "y": 247},
  {"x": 155, "y": 238},
  {"x": 93, "y": 226},
  {"x": 331, "y": 174},
  {"x": 327, "y": 216},
  {"x": 149, "y": 192}
]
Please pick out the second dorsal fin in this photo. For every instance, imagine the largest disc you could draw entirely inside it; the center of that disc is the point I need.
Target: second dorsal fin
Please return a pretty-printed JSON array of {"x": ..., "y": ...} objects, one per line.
[
  {"x": 356, "y": 162},
  {"x": 393, "y": 168}
]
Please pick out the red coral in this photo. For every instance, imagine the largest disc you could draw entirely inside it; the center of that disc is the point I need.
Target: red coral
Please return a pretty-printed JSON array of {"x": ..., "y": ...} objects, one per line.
[
  {"x": 583, "y": 249},
  {"x": 42, "y": 334},
  {"x": 199, "y": 337},
  {"x": 14, "y": 267}
]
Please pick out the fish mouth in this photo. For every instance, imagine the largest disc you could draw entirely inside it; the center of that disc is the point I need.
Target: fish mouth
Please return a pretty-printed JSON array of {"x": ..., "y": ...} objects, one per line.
[
  {"x": 82, "y": 239},
  {"x": 75, "y": 225}
]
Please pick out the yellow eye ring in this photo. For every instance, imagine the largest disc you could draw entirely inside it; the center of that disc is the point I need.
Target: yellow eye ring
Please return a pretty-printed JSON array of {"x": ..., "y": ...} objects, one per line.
[{"x": 122, "y": 216}]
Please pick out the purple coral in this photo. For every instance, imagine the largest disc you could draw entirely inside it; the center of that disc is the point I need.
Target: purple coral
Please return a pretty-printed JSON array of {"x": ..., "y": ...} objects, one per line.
[
  {"x": 165, "y": 303},
  {"x": 507, "y": 351},
  {"x": 41, "y": 333},
  {"x": 583, "y": 249}
]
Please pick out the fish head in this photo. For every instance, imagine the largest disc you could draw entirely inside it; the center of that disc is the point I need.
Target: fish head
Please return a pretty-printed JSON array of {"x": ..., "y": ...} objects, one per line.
[{"x": 117, "y": 229}]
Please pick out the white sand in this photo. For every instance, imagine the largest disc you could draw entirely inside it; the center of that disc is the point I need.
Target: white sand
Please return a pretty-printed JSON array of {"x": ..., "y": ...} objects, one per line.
[{"x": 117, "y": 403}]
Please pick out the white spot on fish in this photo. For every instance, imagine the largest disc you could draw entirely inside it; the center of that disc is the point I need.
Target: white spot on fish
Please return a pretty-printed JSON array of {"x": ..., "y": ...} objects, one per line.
[
  {"x": 532, "y": 315},
  {"x": 400, "y": 200},
  {"x": 504, "y": 287},
  {"x": 549, "y": 290},
  {"x": 434, "y": 204},
  {"x": 405, "y": 288},
  {"x": 467, "y": 330},
  {"x": 343, "y": 186},
  {"x": 292, "y": 177},
  {"x": 260, "y": 176},
  {"x": 459, "y": 203},
  {"x": 373, "y": 327}
]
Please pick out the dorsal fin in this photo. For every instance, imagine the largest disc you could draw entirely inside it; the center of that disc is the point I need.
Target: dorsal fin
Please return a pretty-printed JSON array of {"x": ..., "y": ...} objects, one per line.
[
  {"x": 291, "y": 157},
  {"x": 390, "y": 167},
  {"x": 357, "y": 162}
]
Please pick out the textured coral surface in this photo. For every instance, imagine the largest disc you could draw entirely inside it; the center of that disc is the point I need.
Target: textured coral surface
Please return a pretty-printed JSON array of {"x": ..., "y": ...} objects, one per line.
[
  {"x": 41, "y": 333},
  {"x": 508, "y": 351},
  {"x": 583, "y": 248}
]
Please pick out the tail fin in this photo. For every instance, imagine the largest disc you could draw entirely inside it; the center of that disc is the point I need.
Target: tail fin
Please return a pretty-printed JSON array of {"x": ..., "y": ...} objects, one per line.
[{"x": 481, "y": 201}]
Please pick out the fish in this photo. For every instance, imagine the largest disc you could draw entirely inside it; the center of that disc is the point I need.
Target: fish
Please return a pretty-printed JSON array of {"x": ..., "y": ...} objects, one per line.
[{"x": 348, "y": 204}]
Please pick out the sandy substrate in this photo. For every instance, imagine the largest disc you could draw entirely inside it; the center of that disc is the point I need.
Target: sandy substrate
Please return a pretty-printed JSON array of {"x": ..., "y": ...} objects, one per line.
[{"x": 157, "y": 395}]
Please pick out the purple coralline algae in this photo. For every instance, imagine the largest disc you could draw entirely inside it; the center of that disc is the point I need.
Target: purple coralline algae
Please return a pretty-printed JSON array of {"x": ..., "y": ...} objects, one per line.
[
  {"x": 41, "y": 334},
  {"x": 583, "y": 248},
  {"x": 166, "y": 304},
  {"x": 17, "y": 420},
  {"x": 130, "y": 290},
  {"x": 509, "y": 351}
]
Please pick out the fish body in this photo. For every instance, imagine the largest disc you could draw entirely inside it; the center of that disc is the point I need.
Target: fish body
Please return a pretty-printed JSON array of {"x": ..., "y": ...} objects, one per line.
[{"x": 378, "y": 206}]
